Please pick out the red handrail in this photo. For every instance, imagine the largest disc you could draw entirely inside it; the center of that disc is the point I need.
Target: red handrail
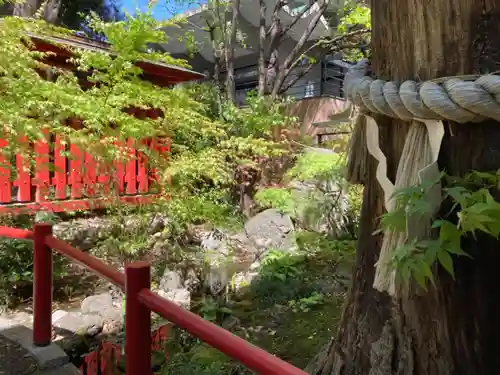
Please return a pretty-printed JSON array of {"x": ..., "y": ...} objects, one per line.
[
  {"x": 86, "y": 260},
  {"x": 20, "y": 234},
  {"x": 235, "y": 347},
  {"x": 140, "y": 301}
]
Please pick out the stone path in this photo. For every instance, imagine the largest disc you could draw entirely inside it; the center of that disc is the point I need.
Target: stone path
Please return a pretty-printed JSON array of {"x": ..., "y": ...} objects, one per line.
[
  {"x": 18, "y": 355},
  {"x": 14, "y": 359}
]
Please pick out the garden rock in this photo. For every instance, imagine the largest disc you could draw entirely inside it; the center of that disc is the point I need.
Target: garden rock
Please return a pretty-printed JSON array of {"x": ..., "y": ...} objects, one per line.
[
  {"x": 172, "y": 287},
  {"x": 171, "y": 280},
  {"x": 157, "y": 224},
  {"x": 76, "y": 323},
  {"x": 97, "y": 304},
  {"x": 103, "y": 306},
  {"x": 181, "y": 297},
  {"x": 271, "y": 229}
]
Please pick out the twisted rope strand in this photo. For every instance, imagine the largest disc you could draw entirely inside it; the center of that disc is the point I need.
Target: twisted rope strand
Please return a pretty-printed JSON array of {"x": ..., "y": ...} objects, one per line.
[{"x": 460, "y": 99}]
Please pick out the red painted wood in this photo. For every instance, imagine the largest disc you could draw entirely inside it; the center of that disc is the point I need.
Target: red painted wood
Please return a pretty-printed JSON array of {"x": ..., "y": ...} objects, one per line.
[
  {"x": 59, "y": 179},
  {"x": 75, "y": 171},
  {"x": 131, "y": 168},
  {"x": 137, "y": 320},
  {"x": 109, "y": 354},
  {"x": 153, "y": 172},
  {"x": 90, "y": 175},
  {"x": 119, "y": 177},
  {"x": 77, "y": 205},
  {"x": 5, "y": 183},
  {"x": 161, "y": 147},
  {"x": 140, "y": 302},
  {"x": 42, "y": 168},
  {"x": 42, "y": 286},
  {"x": 142, "y": 170},
  {"x": 104, "y": 178},
  {"x": 23, "y": 180}
]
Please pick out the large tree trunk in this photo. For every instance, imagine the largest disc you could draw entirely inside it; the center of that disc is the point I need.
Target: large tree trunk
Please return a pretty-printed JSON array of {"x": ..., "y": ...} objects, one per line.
[{"x": 452, "y": 329}]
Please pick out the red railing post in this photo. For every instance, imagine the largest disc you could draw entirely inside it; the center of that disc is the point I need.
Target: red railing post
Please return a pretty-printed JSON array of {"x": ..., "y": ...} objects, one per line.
[
  {"x": 137, "y": 320},
  {"x": 42, "y": 286}
]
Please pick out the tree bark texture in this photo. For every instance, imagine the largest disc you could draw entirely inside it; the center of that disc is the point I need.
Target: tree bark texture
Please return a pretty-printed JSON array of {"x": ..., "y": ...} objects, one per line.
[{"x": 452, "y": 329}]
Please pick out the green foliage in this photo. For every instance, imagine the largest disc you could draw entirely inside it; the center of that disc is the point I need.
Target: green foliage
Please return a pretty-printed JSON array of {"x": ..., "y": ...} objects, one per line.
[
  {"x": 280, "y": 265},
  {"x": 355, "y": 13},
  {"x": 473, "y": 210},
  {"x": 202, "y": 360},
  {"x": 212, "y": 310},
  {"x": 307, "y": 303},
  {"x": 316, "y": 194},
  {"x": 356, "y": 16},
  {"x": 16, "y": 263},
  {"x": 206, "y": 150},
  {"x": 278, "y": 198},
  {"x": 30, "y": 103}
]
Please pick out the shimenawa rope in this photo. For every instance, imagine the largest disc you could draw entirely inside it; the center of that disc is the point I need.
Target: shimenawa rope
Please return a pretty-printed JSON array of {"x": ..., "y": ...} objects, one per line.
[{"x": 460, "y": 99}]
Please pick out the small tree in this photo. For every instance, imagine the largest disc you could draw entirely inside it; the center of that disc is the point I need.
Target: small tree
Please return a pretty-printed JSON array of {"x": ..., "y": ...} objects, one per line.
[{"x": 274, "y": 78}]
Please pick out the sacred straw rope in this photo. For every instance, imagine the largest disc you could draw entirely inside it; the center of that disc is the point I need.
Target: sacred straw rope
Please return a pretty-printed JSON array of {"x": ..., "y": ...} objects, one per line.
[{"x": 459, "y": 99}]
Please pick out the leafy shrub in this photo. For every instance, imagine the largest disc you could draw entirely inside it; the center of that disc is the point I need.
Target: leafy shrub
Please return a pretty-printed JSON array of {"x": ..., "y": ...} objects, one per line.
[
  {"x": 317, "y": 194},
  {"x": 305, "y": 304},
  {"x": 202, "y": 360},
  {"x": 280, "y": 265},
  {"x": 16, "y": 262}
]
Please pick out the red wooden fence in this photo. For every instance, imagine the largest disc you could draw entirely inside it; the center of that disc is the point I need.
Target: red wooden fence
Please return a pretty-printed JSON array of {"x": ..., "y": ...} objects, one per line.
[
  {"x": 140, "y": 302},
  {"x": 57, "y": 182}
]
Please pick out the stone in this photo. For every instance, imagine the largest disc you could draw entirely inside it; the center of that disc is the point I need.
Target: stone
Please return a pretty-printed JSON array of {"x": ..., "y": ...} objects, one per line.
[
  {"x": 191, "y": 280},
  {"x": 97, "y": 304},
  {"x": 87, "y": 325},
  {"x": 47, "y": 357},
  {"x": 271, "y": 229},
  {"x": 181, "y": 297},
  {"x": 157, "y": 224},
  {"x": 214, "y": 241},
  {"x": 171, "y": 280},
  {"x": 243, "y": 279}
]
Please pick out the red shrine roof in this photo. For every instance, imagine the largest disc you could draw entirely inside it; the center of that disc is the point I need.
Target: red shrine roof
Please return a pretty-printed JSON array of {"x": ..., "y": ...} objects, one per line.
[{"x": 156, "y": 72}]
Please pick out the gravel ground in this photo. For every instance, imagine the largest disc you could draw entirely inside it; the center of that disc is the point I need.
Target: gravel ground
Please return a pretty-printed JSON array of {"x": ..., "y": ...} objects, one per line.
[{"x": 14, "y": 359}]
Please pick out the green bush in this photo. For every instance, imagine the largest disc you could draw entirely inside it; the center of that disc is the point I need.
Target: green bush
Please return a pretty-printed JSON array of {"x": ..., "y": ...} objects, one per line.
[
  {"x": 16, "y": 262},
  {"x": 329, "y": 199}
]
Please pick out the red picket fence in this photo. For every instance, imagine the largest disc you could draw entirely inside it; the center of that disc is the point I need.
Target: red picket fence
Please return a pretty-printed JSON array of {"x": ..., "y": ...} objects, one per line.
[
  {"x": 140, "y": 301},
  {"x": 57, "y": 182}
]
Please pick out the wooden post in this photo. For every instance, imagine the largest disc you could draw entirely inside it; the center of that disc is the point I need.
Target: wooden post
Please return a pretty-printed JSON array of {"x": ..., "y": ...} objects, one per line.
[
  {"x": 42, "y": 286},
  {"x": 137, "y": 320}
]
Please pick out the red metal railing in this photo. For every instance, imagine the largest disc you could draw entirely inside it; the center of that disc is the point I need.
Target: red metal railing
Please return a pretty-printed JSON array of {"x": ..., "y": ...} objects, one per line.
[{"x": 140, "y": 302}]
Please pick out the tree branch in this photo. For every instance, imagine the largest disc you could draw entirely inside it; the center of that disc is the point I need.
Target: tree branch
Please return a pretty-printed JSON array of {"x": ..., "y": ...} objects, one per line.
[
  {"x": 293, "y": 81},
  {"x": 284, "y": 70},
  {"x": 279, "y": 4},
  {"x": 329, "y": 43},
  {"x": 262, "y": 44},
  {"x": 298, "y": 17}
]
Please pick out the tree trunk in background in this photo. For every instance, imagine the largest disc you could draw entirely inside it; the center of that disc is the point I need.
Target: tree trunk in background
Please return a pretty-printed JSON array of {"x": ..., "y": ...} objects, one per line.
[
  {"x": 452, "y": 329},
  {"x": 29, "y": 8},
  {"x": 262, "y": 48},
  {"x": 26, "y": 9},
  {"x": 231, "y": 44}
]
